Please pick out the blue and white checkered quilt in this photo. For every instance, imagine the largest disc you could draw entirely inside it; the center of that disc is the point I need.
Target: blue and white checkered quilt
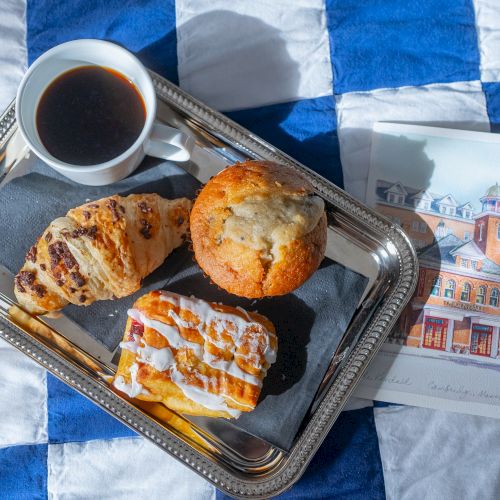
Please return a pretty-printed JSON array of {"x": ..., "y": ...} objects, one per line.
[{"x": 311, "y": 77}]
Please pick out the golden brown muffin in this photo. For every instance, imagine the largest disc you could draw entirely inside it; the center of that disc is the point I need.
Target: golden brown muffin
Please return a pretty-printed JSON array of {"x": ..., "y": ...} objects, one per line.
[
  {"x": 258, "y": 229},
  {"x": 195, "y": 357}
]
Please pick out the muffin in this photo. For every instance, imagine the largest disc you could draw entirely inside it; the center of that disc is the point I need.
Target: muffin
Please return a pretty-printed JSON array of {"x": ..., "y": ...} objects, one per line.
[{"x": 258, "y": 229}]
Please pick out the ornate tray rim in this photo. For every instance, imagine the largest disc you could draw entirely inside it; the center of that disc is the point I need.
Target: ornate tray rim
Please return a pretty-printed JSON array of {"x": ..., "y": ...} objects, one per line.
[{"x": 336, "y": 396}]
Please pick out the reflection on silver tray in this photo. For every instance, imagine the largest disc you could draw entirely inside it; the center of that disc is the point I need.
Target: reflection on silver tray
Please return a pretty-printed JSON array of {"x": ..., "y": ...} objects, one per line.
[{"x": 236, "y": 462}]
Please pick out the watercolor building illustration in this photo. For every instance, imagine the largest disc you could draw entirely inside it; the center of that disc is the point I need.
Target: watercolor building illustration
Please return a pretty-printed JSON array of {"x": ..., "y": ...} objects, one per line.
[{"x": 456, "y": 307}]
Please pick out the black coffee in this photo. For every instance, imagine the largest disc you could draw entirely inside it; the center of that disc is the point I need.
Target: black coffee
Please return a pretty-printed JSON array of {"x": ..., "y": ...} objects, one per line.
[{"x": 90, "y": 115}]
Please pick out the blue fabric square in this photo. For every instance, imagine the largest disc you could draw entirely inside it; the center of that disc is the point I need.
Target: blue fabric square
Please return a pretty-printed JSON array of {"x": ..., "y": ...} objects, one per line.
[
  {"x": 147, "y": 28},
  {"x": 306, "y": 130},
  {"x": 492, "y": 93},
  {"x": 347, "y": 465},
  {"x": 384, "y": 404},
  {"x": 23, "y": 472},
  {"x": 72, "y": 417},
  {"x": 390, "y": 43}
]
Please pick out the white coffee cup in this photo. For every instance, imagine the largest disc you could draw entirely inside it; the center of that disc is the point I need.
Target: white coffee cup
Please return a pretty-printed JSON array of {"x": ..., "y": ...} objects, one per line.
[{"x": 155, "y": 139}]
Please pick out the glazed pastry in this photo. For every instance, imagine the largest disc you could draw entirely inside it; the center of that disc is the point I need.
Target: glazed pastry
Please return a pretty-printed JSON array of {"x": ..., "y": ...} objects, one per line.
[
  {"x": 258, "y": 229},
  {"x": 101, "y": 250},
  {"x": 195, "y": 357}
]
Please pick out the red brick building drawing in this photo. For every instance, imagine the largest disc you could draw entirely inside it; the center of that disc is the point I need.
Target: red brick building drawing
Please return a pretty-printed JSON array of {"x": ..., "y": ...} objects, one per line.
[
  {"x": 456, "y": 307},
  {"x": 423, "y": 215}
]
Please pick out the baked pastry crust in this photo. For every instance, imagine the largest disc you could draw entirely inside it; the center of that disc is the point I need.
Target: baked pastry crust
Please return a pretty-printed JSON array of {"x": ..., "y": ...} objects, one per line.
[
  {"x": 195, "y": 357},
  {"x": 270, "y": 251},
  {"x": 101, "y": 250}
]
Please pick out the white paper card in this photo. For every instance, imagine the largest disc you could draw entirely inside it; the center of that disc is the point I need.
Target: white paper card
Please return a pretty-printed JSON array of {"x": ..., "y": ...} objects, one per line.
[{"x": 440, "y": 186}]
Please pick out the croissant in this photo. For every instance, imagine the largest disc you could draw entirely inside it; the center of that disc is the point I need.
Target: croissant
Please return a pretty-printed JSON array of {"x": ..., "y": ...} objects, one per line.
[{"x": 100, "y": 251}]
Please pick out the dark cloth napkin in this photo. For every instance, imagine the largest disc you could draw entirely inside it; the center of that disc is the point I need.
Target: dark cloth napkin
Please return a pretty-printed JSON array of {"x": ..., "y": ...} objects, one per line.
[{"x": 310, "y": 321}]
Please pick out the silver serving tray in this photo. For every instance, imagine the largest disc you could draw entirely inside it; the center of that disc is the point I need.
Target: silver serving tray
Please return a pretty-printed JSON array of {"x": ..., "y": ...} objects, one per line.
[{"x": 237, "y": 463}]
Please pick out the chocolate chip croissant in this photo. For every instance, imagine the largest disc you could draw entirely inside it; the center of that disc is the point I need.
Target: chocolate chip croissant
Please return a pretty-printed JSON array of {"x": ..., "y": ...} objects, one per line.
[{"x": 101, "y": 250}]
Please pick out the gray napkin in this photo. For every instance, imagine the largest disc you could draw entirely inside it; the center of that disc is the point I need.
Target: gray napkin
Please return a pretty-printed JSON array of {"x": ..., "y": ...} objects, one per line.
[
  {"x": 310, "y": 321},
  {"x": 28, "y": 205}
]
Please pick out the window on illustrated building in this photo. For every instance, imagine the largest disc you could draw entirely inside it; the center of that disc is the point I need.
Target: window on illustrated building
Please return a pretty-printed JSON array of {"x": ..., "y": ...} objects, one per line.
[
  {"x": 465, "y": 295},
  {"x": 481, "y": 295},
  {"x": 480, "y": 340},
  {"x": 451, "y": 211},
  {"x": 422, "y": 227},
  {"x": 449, "y": 291},
  {"x": 435, "y": 330},
  {"x": 436, "y": 286},
  {"x": 473, "y": 264},
  {"x": 422, "y": 204},
  {"x": 440, "y": 230},
  {"x": 414, "y": 225},
  {"x": 498, "y": 231},
  {"x": 481, "y": 231},
  {"x": 464, "y": 263},
  {"x": 494, "y": 297},
  {"x": 395, "y": 198},
  {"x": 466, "y": 235}
]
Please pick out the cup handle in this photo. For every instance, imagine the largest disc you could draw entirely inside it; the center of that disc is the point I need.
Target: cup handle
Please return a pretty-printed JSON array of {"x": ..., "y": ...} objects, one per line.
[{"x": 169, "y": 143}]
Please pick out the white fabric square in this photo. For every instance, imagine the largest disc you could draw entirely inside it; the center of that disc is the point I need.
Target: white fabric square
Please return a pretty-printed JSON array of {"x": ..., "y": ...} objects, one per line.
[
  {"x": 438, "y": 454},
  {"x": 12, "y": 49},
  {"x": 488, "y": 32},
  {"x": 241, "y": 54},
  {"x": 23, "y": 399},
  {"x": 459, "y": 105},
  {"x": 128, "y": 468}
]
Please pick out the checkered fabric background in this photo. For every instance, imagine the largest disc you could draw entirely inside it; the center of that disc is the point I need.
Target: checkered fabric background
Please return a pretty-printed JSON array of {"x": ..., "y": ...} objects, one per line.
[{"x": 311, "y": 77}]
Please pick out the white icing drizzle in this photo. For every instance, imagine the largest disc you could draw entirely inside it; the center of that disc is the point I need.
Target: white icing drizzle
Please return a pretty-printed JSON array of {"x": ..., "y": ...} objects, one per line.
[
  {"x": 160, "y": 359},
  {"x": 199, "y": 327},
  {"x": 181, "y": 322},
  {"x": 207, "y": 399},
  {"x": 171, "y": 333},
  {"x": 131, "y": 345},
  {"x": 134, "y": 388},
  {"x": 233, "y": 324},
  {"x": 175, "y": 339},
  {"x": 231, "y": 368},
  {"x": 163, "y": 359}
]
